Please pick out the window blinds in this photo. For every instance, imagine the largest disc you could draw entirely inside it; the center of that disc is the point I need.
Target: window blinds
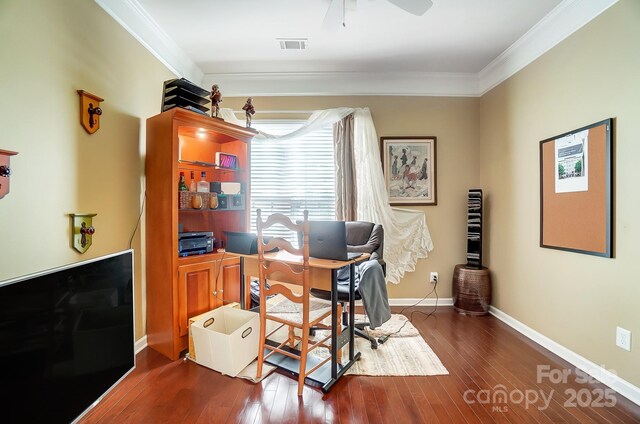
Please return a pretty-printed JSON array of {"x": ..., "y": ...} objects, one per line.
[{"x": 291, "y": 176}]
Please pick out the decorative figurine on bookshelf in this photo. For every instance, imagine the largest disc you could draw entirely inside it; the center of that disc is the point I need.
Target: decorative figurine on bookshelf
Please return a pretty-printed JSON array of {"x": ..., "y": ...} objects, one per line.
[
  {"x": 249, "y": 111},
  {"x": 216, "y": 99}
]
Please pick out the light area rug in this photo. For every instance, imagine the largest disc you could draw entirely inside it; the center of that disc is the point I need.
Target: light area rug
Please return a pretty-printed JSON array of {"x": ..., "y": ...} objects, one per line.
[
  {"x": 403, "y": 354},
  {"x": 397, "y": 356},
  {"x": 251, "y": 370}
]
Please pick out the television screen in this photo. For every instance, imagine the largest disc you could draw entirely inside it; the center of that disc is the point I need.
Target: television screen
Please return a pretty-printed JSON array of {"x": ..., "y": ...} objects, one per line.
[{"x": 66, "y": 337}]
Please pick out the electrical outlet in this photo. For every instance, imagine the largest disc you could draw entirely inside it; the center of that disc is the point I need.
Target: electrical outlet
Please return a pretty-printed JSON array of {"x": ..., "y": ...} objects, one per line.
[
  {"x": 433, "y": 277},
  {"x": 623, "y": 338}
]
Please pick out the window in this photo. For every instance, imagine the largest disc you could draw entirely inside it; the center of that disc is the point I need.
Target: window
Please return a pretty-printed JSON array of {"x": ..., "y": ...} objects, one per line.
[{"x": 291, "y": 176}]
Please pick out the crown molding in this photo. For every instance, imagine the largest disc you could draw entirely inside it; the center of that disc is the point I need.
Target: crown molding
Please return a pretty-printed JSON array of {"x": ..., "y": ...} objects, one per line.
[
  {"x": 565, "y": 19},
  {"x": 134, "y": 18},
  {"x": 561, "y": 22},
  {"x": 346, "y": 84}
]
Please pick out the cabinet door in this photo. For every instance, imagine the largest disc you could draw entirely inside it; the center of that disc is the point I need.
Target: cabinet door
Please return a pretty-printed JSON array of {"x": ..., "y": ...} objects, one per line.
[
  {"x": 229, "y": 280},
  {"x": 195, "y": 292}
]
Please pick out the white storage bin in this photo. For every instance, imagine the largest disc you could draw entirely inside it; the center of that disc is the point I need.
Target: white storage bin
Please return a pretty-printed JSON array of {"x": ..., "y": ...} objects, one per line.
[{"x": 226, "y": 339}]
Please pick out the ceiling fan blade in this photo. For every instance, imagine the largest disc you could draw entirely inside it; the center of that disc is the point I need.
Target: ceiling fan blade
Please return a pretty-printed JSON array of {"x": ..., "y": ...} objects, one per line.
[
  {"x": 334, "y": 17},
  {"x": 415, "y": 7}
]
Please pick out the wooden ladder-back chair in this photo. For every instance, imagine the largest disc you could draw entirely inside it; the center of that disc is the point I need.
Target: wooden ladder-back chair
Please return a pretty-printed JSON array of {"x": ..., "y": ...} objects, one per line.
[{"x": 297, "y": 310}]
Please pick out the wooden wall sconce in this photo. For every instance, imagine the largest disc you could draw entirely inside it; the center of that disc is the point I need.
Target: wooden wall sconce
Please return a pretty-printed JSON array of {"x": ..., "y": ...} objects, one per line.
[
  {"x": 90, "y": 111},
  {"x": 5, "y": 171},
  {"x": 82, "y": 231}
]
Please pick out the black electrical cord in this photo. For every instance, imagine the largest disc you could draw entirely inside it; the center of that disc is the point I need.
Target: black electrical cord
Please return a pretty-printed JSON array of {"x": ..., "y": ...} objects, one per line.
[
  {"x": 215, "y": 293},
  {"x": 410, "y": 319},
  {"x": 144, "y": 199}
]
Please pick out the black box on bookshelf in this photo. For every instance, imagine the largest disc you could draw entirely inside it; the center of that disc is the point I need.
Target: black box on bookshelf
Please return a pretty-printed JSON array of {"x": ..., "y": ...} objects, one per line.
[{"x": 185, "y": 94}]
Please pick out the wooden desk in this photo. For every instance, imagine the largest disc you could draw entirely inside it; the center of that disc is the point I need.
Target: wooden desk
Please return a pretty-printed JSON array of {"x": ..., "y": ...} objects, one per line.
[{"x": 323, "y": 274}]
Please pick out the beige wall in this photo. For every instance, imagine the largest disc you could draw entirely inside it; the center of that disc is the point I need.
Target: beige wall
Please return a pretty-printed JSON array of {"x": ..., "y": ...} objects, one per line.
[
  {"x": 48, "y": 50},
  {"x": 454, "y": 121},
  {"x": 576, "y": 300},
  {"x": 103, "y": 173}
]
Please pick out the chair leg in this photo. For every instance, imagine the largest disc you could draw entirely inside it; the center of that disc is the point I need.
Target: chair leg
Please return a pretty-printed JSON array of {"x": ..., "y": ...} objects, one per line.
[
  {"x": 361, "y": 333},
  {"x": 292, "y": 338},
  {"x": 304, "y": 348},
  {"x": 260, "y": 360},
  {"x": 263, "y": 324},
  {"x": 359, "y": 328}
]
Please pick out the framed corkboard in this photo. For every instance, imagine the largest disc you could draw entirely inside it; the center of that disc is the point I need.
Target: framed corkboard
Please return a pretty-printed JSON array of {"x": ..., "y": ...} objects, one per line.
[{"x": 576, "y": 190}]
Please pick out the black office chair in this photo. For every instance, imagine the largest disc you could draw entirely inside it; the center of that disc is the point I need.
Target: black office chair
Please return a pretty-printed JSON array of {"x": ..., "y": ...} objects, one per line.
[{"x": 362, "y": 237}]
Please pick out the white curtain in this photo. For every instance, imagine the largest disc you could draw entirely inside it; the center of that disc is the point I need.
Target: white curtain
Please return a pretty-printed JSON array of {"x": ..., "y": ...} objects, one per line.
[{"x": 406, "y": 235}]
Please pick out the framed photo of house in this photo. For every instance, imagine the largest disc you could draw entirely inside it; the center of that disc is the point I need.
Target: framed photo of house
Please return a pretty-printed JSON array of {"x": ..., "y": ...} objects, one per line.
[
  {"x": 409, "y": 166},
  {"x": 576, "y": 184}
]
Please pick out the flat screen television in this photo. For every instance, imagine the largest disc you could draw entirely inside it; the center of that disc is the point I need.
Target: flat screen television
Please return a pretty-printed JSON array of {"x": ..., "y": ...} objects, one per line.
[{"x": 66, "y": 338}]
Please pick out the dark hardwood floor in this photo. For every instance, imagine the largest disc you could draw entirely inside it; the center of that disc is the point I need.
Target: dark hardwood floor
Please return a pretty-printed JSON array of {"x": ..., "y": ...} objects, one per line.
[{"x": 493, "y": 377}]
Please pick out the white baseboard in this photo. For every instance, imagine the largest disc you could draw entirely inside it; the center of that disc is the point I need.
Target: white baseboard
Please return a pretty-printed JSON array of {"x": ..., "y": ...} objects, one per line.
[
  {"x": 600, "y": 373},
  {"x": 408, "y": 301},
  {"x": 140, "y": 344}
]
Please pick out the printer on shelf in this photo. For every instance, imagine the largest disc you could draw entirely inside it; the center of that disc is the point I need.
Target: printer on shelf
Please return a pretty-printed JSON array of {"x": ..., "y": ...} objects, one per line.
[{"x": 195, "y": 243}]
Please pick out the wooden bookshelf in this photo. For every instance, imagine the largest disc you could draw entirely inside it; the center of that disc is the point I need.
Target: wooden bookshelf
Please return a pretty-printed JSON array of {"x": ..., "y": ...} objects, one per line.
[{"x": 179, "y": 288}]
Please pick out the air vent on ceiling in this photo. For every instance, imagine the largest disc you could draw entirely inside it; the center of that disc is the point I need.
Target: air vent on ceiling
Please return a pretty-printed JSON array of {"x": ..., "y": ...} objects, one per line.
[{"x": 293, "y": 43}]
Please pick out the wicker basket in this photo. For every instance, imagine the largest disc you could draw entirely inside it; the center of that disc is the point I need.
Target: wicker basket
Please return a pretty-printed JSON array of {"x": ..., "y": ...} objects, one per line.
[{"x": 185, "y": 199}]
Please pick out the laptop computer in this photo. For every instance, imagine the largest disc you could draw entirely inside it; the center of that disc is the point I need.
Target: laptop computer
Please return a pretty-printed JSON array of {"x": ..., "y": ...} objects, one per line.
[{"x": 328, "y": 240}]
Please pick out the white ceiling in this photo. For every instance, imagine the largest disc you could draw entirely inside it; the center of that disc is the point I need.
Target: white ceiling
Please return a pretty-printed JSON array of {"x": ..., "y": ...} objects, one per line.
[
  {"x": 455, "y": 48},
  {"x": 240, "y": 35}
]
